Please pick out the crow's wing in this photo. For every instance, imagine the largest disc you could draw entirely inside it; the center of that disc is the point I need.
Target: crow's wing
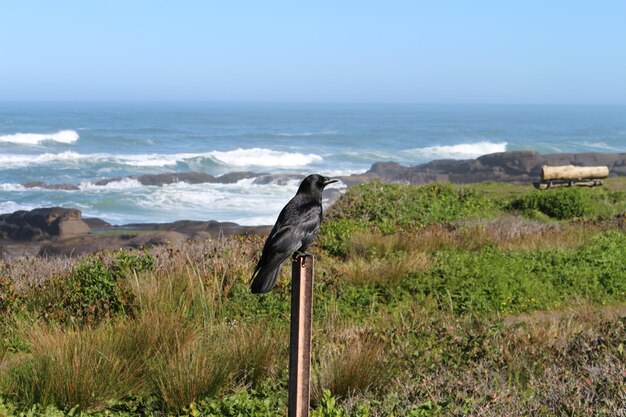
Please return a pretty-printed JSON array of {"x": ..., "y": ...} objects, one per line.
[{"x": 295, "y": 227}]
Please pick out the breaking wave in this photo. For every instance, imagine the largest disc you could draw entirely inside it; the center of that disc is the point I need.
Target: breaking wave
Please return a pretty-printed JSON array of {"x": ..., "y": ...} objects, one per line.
[
  {"x": 63, "y": 136},
  {"x": 254, "y": 157},
  {"x": 460, "y": 151},
  {"x": 261, "y": 157}
]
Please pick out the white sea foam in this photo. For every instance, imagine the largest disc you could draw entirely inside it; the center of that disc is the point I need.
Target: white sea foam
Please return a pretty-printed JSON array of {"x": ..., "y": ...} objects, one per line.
[
  {"x": 63, "y": 136},
  {"x": 340, "y": 172},
  {"x": 261, "y": 157},
  {"x": 460, "y": 151},
  {"x": 21, "y": 160},
  {"x": 11, "y": 187},
  {"x": 121, "y": 185},
  {"x": 12, "y": 206},
  {"x": 253, "y": 157}
]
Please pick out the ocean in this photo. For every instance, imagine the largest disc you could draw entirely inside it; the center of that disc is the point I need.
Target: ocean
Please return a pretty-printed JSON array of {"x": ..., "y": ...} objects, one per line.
[{"x": 82, "y": 143}]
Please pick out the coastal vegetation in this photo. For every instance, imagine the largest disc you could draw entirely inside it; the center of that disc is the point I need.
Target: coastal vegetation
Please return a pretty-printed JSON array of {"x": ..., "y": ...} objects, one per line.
[{"x": 436, "y": 300}]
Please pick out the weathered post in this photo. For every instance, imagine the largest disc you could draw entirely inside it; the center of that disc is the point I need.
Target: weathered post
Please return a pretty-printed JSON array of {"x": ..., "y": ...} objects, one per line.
[{"x": 300, "y": 337}]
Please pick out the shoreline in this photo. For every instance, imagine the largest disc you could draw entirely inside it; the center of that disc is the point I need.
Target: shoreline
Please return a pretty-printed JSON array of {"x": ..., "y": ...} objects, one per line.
[
  {"x": 59, "y": 231},
  {"x": 509, "y": 166}
]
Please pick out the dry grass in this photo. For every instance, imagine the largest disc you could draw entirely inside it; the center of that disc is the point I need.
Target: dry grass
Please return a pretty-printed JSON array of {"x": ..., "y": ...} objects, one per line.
[
  {"x": 196, "y": 366},
  {"x": 176, "y": 347},
  {"x": 352, "y": 361},
  {"x": 84, "y": 367},
  {"x": 384, "y": 271},
  {"x": 508, "y": 232}
]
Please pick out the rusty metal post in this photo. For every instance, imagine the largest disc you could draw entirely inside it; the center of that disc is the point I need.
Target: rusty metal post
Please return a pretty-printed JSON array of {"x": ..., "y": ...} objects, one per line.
[{"x": 300, "y": 338}]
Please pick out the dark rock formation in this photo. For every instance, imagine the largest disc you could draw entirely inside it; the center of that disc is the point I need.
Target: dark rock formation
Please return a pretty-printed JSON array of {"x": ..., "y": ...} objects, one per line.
[
  {"x": 186, "y": 177},
  {"x": 162, "y": 179},
  {"x": 516, "y": 166},
  {"x": 278, "y": 179},
  {"x": 42, "y": 223},
  {"x": 94, "y": 223},
  {"x": 233, "y": 177},
  {"x": 41, "y": 184},
  {"x": 160, "y": 238}
]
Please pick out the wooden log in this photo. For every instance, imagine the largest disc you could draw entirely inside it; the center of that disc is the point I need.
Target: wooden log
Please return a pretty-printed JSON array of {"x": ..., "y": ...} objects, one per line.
[
  {"x": 300, "y": 338},
  {"x": 571, "y": 172}
]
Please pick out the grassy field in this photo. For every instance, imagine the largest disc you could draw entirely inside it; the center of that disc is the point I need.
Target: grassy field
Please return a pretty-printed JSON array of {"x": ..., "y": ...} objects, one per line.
[{"x": 435, "y": 300}]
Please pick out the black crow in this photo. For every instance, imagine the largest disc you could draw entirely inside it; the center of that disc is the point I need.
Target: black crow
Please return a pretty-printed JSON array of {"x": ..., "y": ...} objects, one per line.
[{"x": 293, "y": 232}]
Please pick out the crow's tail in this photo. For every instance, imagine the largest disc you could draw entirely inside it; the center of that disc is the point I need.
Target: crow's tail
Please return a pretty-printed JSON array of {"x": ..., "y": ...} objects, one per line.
[{"x": 264, "y": 277}]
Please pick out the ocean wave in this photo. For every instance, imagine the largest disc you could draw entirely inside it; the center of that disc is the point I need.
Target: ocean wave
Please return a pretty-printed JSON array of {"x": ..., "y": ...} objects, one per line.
[
  {"x": 253, "y": 157},
  {"x": 261, "y": 157},
  {"x": 128, "y": 201},
  {"x": 11, "y": 187},
  {"x": 63, "y": 136},
  {"x": 12, "y": 206},
  {"x": 121, "y": 185},
  {"x": 460, "y": 151}
]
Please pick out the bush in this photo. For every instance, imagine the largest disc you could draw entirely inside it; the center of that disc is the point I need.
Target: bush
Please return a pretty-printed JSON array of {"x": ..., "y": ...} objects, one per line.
[
  {"x": 94, "y": 291},
  {"x": 564, "y": 203}
]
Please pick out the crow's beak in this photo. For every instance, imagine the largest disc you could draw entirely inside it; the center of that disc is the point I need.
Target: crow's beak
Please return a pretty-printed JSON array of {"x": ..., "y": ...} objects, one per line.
[{"x": 329, "y": 181}]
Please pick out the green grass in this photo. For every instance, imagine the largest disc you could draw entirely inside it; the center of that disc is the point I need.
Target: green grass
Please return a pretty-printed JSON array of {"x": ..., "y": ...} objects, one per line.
[{"x": 429, "y": 301}]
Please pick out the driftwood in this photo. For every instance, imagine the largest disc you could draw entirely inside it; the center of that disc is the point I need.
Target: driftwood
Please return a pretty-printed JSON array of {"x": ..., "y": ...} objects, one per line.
[{"x": 571, "y": 172}]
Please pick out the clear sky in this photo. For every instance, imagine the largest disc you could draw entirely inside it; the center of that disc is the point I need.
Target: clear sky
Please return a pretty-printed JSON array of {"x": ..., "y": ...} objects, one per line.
[{"x": 543, "y": 52}]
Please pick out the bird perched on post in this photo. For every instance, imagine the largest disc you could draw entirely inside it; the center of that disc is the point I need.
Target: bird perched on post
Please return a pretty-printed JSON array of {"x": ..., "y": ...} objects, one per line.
[{"x": 294, "y": 231}]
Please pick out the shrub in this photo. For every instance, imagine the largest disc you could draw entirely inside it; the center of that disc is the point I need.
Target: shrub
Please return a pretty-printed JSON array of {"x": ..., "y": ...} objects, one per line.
[
  {"x": 95, "y": 290},
  {"x": 564, "y": 203}
]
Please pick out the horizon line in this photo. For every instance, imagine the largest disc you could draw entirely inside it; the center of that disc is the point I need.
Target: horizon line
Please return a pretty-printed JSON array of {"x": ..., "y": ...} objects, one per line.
[{"x": 300, "y": 102}]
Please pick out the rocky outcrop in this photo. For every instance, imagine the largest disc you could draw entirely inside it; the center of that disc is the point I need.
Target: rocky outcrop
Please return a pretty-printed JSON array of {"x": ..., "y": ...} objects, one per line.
[
  {"x": 277, "y": 179},
  {"x": 42, "y": 223},
  {"x": 186, "y": 177},
  {"x": 41, "y": 184},
  {"x": 516, "y": 166}
]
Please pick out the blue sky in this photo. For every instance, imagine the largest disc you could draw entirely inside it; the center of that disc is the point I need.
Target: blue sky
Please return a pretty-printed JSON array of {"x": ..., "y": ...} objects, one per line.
[{"x": 542, "y": 52}]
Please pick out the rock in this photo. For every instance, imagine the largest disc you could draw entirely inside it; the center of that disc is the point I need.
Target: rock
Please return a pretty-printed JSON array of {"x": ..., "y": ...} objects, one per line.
[
  {"x": 234, "y": 177},
  {"x": 41, "y": 223},
  {"x": 514, "y": 166},
  {"x": 159, "y": 238},
  {"x": 164, "y": 179},
  {"x": 96, "y": 223},
  {"x": 278, "y": 179},
  {"x": 41, "y": 184},
  {"x": 186, "y": 177}
]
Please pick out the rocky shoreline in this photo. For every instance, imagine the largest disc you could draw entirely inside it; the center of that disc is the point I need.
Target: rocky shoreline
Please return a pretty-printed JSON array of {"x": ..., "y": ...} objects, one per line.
[{"x": 61, "y": 231}]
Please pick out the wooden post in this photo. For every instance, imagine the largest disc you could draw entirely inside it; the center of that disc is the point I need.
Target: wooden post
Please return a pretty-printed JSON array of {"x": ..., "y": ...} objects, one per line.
[{"x": 300, "y": 338}]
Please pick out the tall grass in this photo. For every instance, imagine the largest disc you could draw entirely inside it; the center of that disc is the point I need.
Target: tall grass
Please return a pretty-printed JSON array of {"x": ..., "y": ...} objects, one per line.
[
  {"x": 176, "y": 346},
  {"x": 71, "y": 367}
]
